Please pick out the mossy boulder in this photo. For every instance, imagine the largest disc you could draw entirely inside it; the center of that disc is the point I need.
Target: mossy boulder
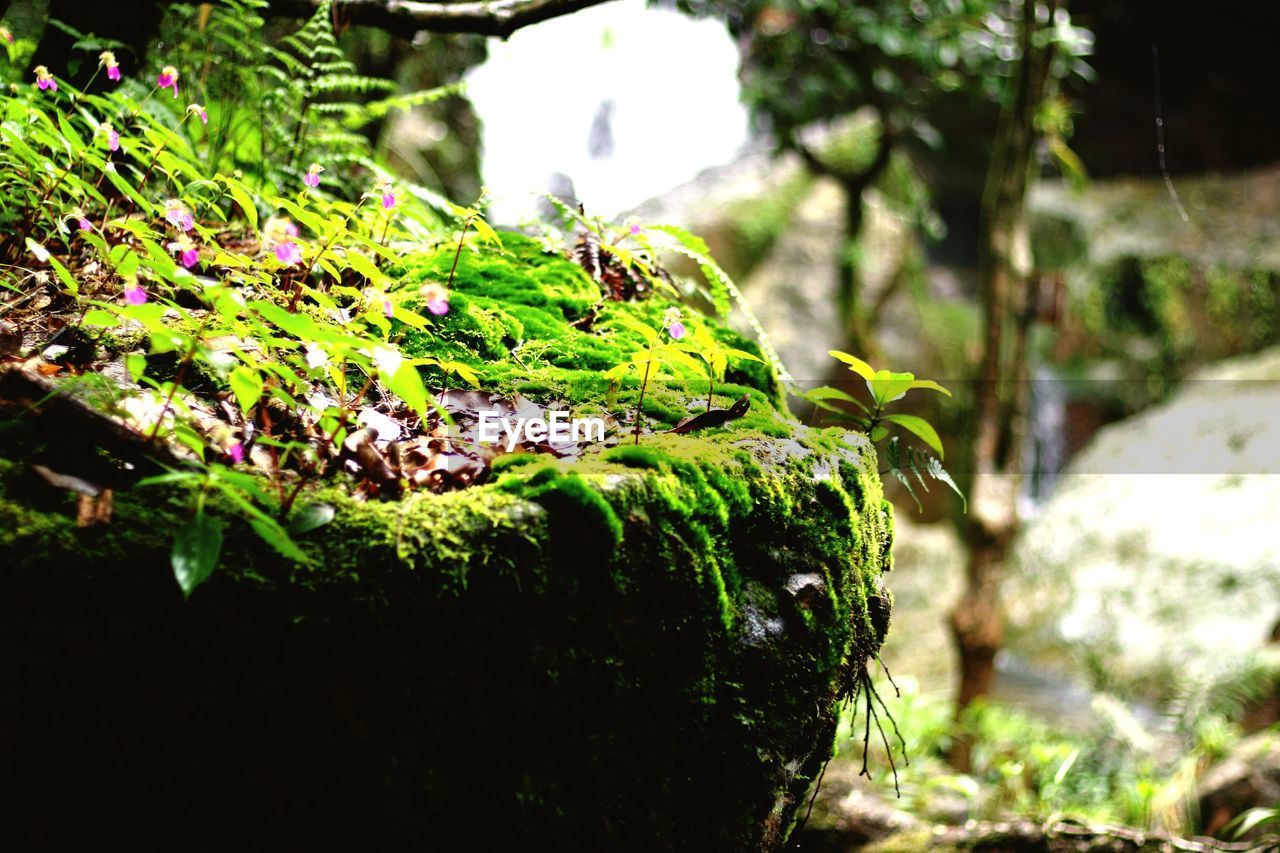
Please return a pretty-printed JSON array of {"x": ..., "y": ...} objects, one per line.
[{"x": 643, "y": 649}]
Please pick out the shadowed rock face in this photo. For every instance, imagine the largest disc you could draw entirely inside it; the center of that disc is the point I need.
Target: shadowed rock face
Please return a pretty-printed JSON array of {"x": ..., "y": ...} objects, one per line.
[{"x": 642, "y": 650}]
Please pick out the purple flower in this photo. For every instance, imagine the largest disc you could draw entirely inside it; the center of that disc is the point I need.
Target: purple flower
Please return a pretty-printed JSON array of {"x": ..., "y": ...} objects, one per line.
[
  {"x": 188, "y": 252},
  {"x": 84, "y": 224},
  {"x": 387, "y": 308},
  {"x": 236, "y": 452},
  {"x": 178, "y": 216},
  {"x": 312, "y": 177},
  {"x": 135, "y": 295},
  {"x": 113, "y": 139},
  {"x": 44, "y": 80},
  {"x": 673, "y": 325},
  {"x": 199, "y": 110},
  {"x": 288, "y": 253},
  {"x": 107, "y": 59},
  {"x": 635, "y": 230},
  {"x": 168, "y": 79},
  {"x": 437, "y": 299},
  {"x": 388, "y": 200}
]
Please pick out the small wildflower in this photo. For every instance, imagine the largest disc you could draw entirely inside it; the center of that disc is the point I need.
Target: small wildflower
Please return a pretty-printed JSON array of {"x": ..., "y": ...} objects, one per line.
[
  {"x": 288, "y": 253},
  {"x": 107, "y": 60},
  {"x": 388, "y": 310},
  {"x": 168, "y": 79},
  {"x": 199, "y": 110},
  {"x": 84, "y": 224},
  {"x": 673, "y": 325},
  {"x": 6, "y": 34},
  {"x": 278, "y": 233},
  {"x": 635, "y": 230},
  {"x": 312, "y": 177},
  {"x": 113, "y": 138},
  {"x": 384, "y": 189},
  {"x": 44, "y": 80},
  {"x": 437, "y": 299},
  {"x": 178, "y": 216},
  {"x": 236, "y": 452},
  {"x": 134, "y": 294},
  {"x": 188, "y": 251}
]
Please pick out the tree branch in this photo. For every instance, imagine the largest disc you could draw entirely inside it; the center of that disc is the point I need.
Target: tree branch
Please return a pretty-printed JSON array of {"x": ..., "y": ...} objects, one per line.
[{"x": 406, "y": 18}]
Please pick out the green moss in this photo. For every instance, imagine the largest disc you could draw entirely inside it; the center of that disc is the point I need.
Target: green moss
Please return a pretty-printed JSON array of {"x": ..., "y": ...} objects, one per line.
[{"x": 622, "y": 631}]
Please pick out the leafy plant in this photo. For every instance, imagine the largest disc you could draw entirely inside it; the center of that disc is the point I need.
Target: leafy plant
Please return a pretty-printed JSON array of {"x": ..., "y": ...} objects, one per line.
[{"x": 886, "y": 387}]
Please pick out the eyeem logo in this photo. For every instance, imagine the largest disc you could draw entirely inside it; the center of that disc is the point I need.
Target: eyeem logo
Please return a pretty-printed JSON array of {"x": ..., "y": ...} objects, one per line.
[{"x": 557, "y": 428}]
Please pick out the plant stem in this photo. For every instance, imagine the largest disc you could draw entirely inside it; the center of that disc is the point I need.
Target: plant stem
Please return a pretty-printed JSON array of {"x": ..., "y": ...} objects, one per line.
[
  {"x": 297, "y": 290},
  {"x": 458, "y": 254},
  {"x": 643, "y": 385},
  {"x": 173, "y": 390}
]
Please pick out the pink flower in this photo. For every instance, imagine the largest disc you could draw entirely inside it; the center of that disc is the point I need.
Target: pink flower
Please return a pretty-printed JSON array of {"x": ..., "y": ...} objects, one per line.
[
  {"x": 236, "y": 452},
  {"x": 84, "y": 224},
  {"x": 199, "y": 110},
  {"x": 178, "y": 216},
  {"x": 113, "y": 140},
  {"x": 44, "y": 80},
  {"x": 107, "y": 59},
  {"x": 291, "y": 229},
  {"x": 135, "y": 295},
  {"x": 388, "y": 200},
  {"x": 168, "y": 79},
  {"x": 312, "y": 177},
  {"x": 188, "y": 252},
  {"x": 387, "y": 309},
  {"x": 635, "y": 230},
  {"x": 437, "y": 298},
  {"x": 6, "y": 34},
  {"x": 288, "y": 253},
  {"x": 673, "y": 325}
]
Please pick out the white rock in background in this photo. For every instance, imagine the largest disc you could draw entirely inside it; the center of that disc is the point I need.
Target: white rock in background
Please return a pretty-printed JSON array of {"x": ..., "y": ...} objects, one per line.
[{"x": 1160, "y": 550}]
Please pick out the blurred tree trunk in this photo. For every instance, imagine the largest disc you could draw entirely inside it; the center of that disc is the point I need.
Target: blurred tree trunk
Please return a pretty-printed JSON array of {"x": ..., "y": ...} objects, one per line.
[
  {"x": 1006, "y": 285},
  {"x": 854, "y": 185}
]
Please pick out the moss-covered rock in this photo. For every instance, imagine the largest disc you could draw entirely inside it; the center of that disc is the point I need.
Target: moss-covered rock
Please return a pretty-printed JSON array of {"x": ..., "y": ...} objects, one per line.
[{"x": 643, "y": 649}]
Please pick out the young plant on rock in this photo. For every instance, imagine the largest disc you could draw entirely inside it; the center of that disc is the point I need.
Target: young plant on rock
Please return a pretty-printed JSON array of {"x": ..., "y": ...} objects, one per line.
[{"x": 886, "y": 387}]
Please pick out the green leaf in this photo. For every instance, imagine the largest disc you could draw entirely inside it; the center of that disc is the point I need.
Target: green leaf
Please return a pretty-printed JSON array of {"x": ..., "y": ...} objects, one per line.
[
  {"x": 310, "y": 517},
  {"x": 246, "y": 384},
  {"x": 196, "y": 548},
  {"x": 921, "y": 428},
  {"x": 244, "y": 200},
  {"x": 856, "y": 364},
  {"x": 878, "y": 434},
  {"x": 275, "y": 536},
  {"x": 888, "y": 386},
  {"x": 98, "y": 317},
  {"x": 136, "y": 364},
  {"x": 930, "y": 385},
  {"x": 406, "y": 384}
]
